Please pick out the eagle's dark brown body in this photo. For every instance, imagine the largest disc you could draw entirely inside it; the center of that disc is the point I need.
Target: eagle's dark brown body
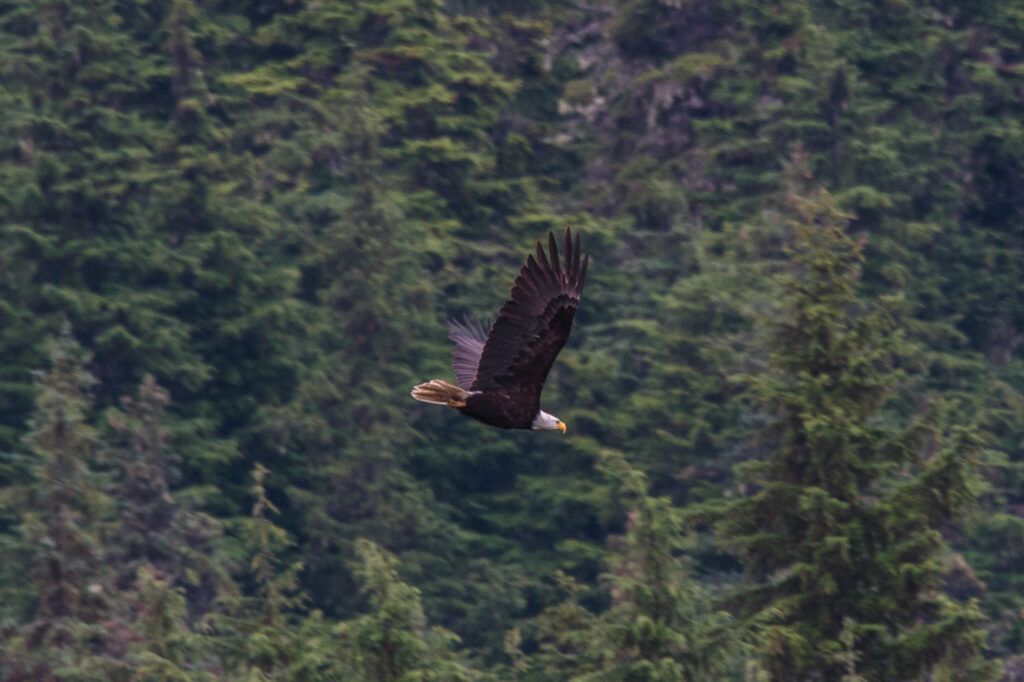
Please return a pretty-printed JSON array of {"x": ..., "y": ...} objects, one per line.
[
  {"x": 509, "y": 409},
  {"x": 501, "y": 371}
]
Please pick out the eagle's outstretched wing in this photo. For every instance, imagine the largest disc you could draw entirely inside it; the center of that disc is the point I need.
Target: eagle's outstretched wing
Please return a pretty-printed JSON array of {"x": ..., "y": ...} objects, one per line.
[{"x": 534, "y": 323}]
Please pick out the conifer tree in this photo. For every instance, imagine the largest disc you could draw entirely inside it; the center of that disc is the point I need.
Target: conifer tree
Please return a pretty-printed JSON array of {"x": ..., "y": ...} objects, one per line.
[
  {"x": 121, "y": 218},
  {"x": 165, "y": 643},
  {"x": 393, "y": 643},
  {"x": 839, "y": 531},
  {"x": 346, "y": 428},
  {"x": 373, "y": 230},
  {"x": 65, "y": 632},
  {"x": 165, "y": 556},
  {"x": 268, "y": 634},
  {"x": 271, "y": 207},
  {"x": 260, "y": 615},
  {"x": 81, "y": 156},
  {"x": 154, "y": 528},
  {"x": 660, "y": 624}
]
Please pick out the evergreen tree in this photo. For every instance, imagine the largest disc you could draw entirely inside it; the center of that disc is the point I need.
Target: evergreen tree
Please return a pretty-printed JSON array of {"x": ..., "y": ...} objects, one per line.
[
  {"x": 271, "y": 208},
  {"x": 268, "y": 636},
  {"x": 166, "y": 557},
  {"x": 659, "y": 625},
  {"x": 908, "y": 115},
  {"x": 839, "y": 531},
  {"x": 66, "y": 632},
  {"x": 123, "y": 218},
  {"x": 403, "y": 159},
  {"x": 154, "y": 530},
  {"x": 166, "y": 644},
  {"x": 393, "y": 643},
  {"x": 81, "y": 156}
]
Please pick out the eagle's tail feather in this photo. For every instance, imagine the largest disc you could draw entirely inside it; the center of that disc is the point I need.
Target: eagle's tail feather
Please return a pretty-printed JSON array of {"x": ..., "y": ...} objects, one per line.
[{"x": 440, "y": 392}]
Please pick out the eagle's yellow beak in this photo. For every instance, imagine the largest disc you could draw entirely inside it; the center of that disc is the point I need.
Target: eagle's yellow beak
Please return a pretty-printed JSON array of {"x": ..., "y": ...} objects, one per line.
[{"x": 560, "y": 426}]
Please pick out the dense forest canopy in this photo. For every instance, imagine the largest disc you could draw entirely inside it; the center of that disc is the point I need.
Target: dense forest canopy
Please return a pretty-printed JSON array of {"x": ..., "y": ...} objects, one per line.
[{"x": 232, "y": 234}]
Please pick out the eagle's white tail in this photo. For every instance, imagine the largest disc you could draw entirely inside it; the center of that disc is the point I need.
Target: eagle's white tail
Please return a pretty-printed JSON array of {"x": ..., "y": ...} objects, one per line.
[{"x": 440, "y": 392}]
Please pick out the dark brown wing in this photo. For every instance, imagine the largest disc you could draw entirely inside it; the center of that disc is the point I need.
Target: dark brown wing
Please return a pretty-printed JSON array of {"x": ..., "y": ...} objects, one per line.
[
  {"x": 469, "y": 337},
  {"x": 534, "y": 323}
]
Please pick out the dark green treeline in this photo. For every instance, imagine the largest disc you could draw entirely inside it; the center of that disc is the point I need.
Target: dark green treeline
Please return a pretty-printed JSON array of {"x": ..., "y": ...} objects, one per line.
[{"x": 230, "y": 234}]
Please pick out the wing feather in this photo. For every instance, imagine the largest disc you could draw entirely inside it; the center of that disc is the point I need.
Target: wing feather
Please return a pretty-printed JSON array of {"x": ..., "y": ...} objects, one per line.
[
  {"x": 469, "y": 337},
  {"x": 534, "y": 323},
  {"x": 575, "y": 252},
  {"x": 554, "y": 256}
]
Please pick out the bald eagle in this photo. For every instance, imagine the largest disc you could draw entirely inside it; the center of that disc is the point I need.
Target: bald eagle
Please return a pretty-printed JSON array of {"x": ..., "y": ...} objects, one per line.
[{"x": 501, "y": 372}]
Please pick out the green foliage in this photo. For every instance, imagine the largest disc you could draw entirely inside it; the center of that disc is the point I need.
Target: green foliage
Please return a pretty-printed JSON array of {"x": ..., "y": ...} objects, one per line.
[
  {"x": 839, "y": 533},
  {"x": 257, "y": 217},
  {"x": 158, "y": 535},
  {"x": 393, "y": 642},
  {"x": 125, "y": 225},
  {"x": 659, "y": 625},
  {"x": 65, "y": 631},
  {"x": 166, "y": 557},
  {"x": 262, "y": 644},
  {"x": 167, "y": 646}
]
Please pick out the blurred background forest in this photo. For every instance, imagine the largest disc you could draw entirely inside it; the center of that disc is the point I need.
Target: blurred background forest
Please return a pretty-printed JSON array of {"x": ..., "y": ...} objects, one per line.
[{"x": 232, "y": 233}]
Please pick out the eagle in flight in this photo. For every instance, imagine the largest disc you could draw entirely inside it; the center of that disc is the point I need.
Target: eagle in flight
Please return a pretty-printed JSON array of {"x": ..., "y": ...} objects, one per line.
[{"x": 501, "y": 371}]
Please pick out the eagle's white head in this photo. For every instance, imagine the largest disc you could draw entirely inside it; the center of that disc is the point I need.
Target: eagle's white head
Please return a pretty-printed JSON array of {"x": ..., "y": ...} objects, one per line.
[{"x": 547, "y": 422}]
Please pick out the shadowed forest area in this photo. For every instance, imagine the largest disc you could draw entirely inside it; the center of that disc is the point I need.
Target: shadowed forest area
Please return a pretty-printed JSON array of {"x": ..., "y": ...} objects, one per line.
[{"x": 231, "y": 234}]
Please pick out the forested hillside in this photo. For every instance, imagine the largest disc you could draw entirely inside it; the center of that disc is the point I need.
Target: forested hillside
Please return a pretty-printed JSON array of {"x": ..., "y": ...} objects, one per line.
[{"x": 231, "y": 235}]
